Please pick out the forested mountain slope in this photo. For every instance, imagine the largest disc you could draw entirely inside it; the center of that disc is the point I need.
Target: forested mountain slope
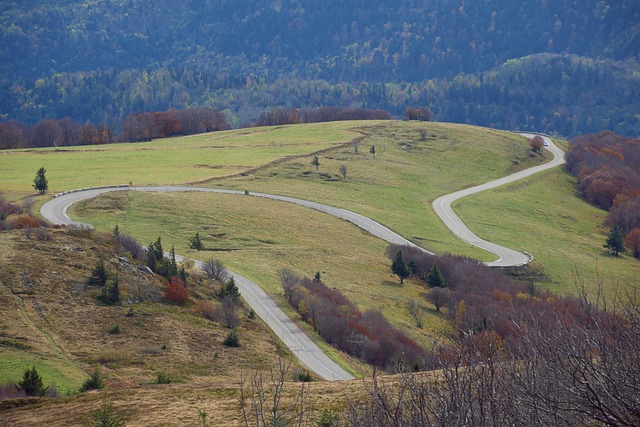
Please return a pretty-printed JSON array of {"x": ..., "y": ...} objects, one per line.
[{"x": 99, "y": 60}]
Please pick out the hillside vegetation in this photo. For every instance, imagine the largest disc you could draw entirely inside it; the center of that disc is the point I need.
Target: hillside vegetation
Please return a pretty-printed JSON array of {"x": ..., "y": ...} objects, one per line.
[
  {"x": 563, "y": 66},
  {"x": 54, "y": 321}
]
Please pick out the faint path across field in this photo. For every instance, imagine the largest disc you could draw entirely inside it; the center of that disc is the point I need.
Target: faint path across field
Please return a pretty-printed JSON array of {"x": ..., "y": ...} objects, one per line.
[{"x": 303, "y": 347}]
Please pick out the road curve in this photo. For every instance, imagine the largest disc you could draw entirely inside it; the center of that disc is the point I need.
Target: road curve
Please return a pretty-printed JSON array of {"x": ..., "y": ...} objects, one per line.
[
  {"x": 265, "y": 307},
  {"x": 506, "y": 257},
  {"x": 309, "y": 354}
]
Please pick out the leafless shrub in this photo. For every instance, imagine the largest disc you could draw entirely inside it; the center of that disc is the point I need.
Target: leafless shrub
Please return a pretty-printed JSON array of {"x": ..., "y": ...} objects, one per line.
[
  {"x": 130, "y": 245},
  {"x": 438, "y": 297},
  {"x": 10, "y": 391},
  {"x": 416, "y": 312},
  {"x": 343, "y": 171},
  {"x": 227, "y": 313},
  {"x": 27, "y": 205},
  {"x": 207, "y": 309},
  {"x": 214, "y": 269},
  {"x": 141, "y": 291},
  {"x": 42, "y": 234},
  {"x": 262, "y": 397},
  {"x": 7, "y": 208}
]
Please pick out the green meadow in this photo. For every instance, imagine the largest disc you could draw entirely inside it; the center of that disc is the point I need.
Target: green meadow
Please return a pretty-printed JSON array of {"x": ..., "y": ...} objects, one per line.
[
  {"x": 544, "y": 216},
  {"x": 166, "y": 161}
]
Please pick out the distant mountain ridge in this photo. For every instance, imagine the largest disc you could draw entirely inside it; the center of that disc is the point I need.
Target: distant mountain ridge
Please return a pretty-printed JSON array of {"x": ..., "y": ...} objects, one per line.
[{"x": 96, "y": 60}]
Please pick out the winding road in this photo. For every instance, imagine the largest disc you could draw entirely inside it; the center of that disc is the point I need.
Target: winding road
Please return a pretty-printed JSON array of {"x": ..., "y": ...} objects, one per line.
[
  {"x": 506, "y": 257},
  {"x": 296, "y": 340}
]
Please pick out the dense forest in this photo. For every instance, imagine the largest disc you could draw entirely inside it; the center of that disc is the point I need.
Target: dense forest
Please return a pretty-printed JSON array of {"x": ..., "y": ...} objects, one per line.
[
  {"x": 567, "y": 67},
  {"x": 608, "y": 170}
]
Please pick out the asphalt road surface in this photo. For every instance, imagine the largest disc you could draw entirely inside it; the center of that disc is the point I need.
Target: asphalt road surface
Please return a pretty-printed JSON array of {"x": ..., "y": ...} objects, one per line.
[
  {"x": 506, "y": 257},
  {"x": 296, "y": 340}
]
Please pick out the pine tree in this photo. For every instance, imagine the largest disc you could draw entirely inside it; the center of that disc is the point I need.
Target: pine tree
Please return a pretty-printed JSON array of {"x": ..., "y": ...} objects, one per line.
[
  {"x": 615, "y": 240},
  {"x": 435, "y": 278},
  {"x": 230, "y": 289},
  {"x": 40, "y": 182},
  {"x": 31, "y": 383},
  {"x": 196, "y": 243},
  {"x": 98, "y": 275},
  {"x": 315, "y": 162},
  {"x": 400, "y": 267},
  {"x": 172, "y": 268},
  {"x": 111, "y": 292},
  {"x": 151, "y": 258}
]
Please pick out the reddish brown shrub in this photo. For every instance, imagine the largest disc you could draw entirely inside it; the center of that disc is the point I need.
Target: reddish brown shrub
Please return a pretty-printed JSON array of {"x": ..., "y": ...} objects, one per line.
[
  {"x": 176, "y": 292},
  {"x": 632, "y": 242},
  {"x": 206, "y": 309},
  {"x": 24, "y": 221}
]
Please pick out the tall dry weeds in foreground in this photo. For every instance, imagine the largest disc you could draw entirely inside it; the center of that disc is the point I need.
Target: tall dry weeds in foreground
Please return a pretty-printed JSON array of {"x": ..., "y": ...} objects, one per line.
[{"x": 262, "y": 398}]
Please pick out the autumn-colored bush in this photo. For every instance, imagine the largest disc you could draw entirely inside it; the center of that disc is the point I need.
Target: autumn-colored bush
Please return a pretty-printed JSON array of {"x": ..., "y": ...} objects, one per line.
[
  {"x": 632, "y": 242},
  {"x": 479, "y": 298},
  {"x": 24, "y": 221},
  {"x": 367, "y": 336},
  {"x": 206, "y": 309},
  {"x": 606, "y": 165},
  {"x": 176, "y": 292}
]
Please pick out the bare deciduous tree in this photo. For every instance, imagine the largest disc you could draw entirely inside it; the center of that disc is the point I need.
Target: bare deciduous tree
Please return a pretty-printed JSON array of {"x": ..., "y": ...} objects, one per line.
[
  {"x": 262, "y": 394},
  {"x": 214, "y": 269},
  {"x": 227, "y": 313},
  {"x": 439, "y": 297},
  {"x": 343, "y": 171},
  {"x": 416, "y": 312}
]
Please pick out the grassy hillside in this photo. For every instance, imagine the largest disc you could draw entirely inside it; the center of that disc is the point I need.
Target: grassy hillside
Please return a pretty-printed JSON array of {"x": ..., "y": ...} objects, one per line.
[
  {"x": 257, "y": 237},
  {"x": 544, "y": 215},
  {"x": 165, "y": 161},
  {"x": 52, "y": 320}
]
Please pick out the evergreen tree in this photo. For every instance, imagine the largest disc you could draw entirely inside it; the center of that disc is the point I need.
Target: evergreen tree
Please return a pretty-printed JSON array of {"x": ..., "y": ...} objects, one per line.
[
  {"x": 111, "y": 292},
  {"x": 196, "y": 243},
  {"x": 151, "y": 258},
  {"x": 172, "y": 268},
  {"x": 317, "y": 277},
  {"x": 105, "y": 416},
  {"x": 399, "y": 267},
  {"x": 315, "y": 162},
  {"x": 230, "y": 289},
  {"x": 158, "y": 253},
  {"x": 182, "y": 274},
  {"x": 98, "y": 275},
  {"x": 31, "y": 383},
  {"x": 435, "y": 278},
  {"x": 615, "y": 240},
  {"x": 40, "y": 182}
]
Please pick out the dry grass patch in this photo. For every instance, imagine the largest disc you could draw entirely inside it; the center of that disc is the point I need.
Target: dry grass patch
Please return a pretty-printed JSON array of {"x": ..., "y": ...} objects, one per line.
[{"x": 51, "y": 320}]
